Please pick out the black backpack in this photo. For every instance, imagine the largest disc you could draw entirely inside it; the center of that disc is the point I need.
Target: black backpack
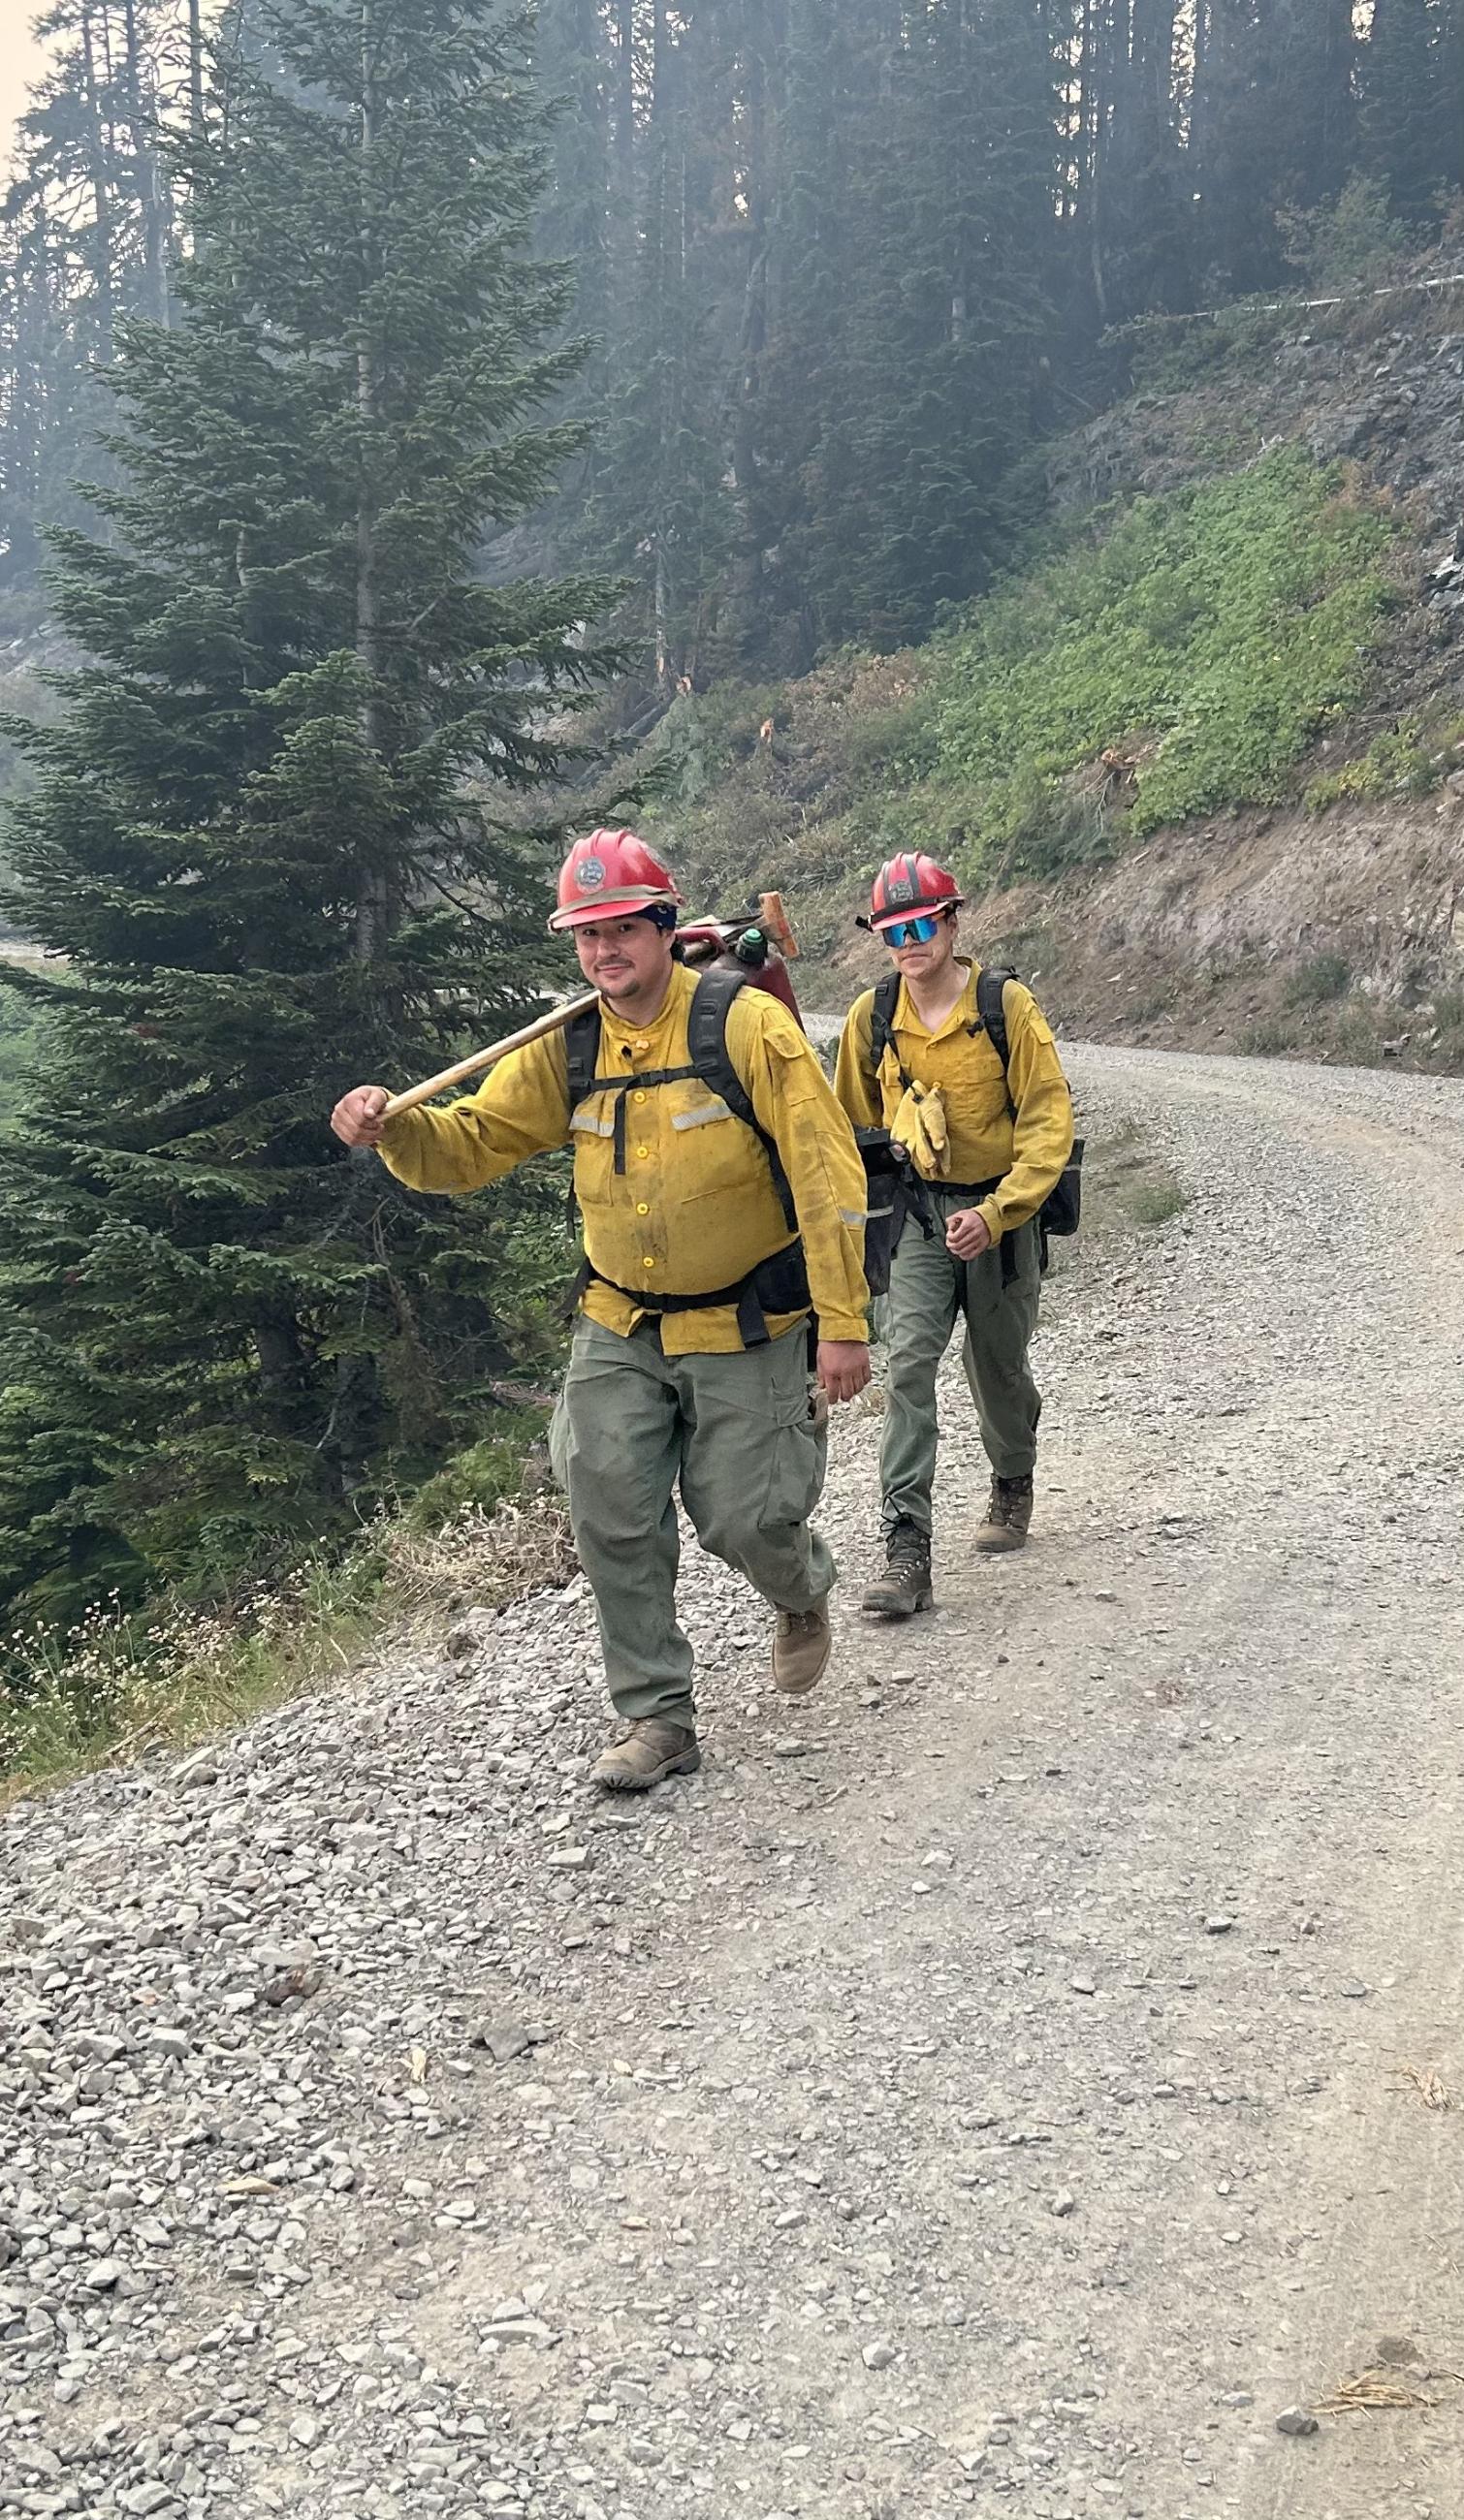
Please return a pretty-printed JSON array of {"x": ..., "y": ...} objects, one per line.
[{"x": 1061, "y": 1211}]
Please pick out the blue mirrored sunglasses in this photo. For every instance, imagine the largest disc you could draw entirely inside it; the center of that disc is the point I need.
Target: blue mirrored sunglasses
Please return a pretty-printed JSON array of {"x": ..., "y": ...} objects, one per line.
[{"x": 911, "y": 932}]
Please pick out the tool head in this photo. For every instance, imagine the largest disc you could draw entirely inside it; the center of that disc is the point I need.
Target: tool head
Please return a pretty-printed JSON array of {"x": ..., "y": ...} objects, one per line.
[{"x": 776, "y": 925}]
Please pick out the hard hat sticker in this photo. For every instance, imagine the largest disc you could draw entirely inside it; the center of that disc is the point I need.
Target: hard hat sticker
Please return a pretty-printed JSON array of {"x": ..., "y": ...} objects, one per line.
[{"x": 589, "y": 873}]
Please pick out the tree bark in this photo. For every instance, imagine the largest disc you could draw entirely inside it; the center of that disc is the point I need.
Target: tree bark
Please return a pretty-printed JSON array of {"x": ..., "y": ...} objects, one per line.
[
  {"x": 97, "y": 171},
  {"x": 371, "y": 895},
  {"x": 149, "y": 186},
  {"x": 195, "y": 68},
  {"x": 626, "y": 155}
]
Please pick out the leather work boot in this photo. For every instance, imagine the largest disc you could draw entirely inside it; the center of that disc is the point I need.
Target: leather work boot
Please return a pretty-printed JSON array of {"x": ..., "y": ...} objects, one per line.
[
  {"x": 905, "y": 1585},
  {"x": 802, "y": 1643},
  {"x": 649, "y": 1751},
  {"x": 1008, "y": 1516}
]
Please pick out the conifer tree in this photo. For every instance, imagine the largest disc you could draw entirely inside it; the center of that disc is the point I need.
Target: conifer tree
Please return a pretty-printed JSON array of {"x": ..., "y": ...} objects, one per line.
[
  {"x": 1402, "y": 128},
  {"x": 658, "y": 507},
  {"x": 283, "y": 832}
]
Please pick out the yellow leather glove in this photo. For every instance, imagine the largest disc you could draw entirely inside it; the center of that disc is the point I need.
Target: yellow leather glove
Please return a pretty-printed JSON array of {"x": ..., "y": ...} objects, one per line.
[{"x": 919, "y": 1124}]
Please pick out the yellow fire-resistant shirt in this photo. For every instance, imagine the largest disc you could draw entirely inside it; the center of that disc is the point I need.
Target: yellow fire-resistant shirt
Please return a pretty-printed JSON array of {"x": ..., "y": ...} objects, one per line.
[
  {"x": 694, "y": 1208},
  {"x": 1024, "y": 1155}
]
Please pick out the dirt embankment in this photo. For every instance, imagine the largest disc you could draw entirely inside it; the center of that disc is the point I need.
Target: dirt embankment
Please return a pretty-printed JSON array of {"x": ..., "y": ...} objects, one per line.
[{"x": 1335, "y": 937}]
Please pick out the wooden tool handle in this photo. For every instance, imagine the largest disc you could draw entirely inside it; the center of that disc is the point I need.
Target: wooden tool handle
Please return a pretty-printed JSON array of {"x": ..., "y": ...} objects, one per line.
[{"x": 553, "y": 1021}]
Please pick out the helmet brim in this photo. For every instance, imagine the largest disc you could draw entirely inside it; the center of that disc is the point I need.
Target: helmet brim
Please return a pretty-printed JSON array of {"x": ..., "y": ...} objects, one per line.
[
  {"x": 624, "y": 904},
  {"x": 914, "y": 910}
]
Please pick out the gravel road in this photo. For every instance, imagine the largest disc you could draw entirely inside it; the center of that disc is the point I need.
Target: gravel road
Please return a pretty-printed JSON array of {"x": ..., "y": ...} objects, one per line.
[{"x": 999, "y": 2085}]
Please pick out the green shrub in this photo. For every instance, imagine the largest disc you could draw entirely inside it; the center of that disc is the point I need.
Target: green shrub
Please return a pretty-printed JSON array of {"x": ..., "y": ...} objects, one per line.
[
  {"x": 1269, "y": 1037},
  {"x": 1409, "y": 760},
  {"x": 1189, "y": 656},
  {"x": 1314, "y": 982},
  {"x": 1169, "y": 355},
  {"x": 876, "y": 739},
  {"x": 1350, "y": 241},
  {"x": 1356, "y": 1039},
  {"x": 489, "y": 1473}
]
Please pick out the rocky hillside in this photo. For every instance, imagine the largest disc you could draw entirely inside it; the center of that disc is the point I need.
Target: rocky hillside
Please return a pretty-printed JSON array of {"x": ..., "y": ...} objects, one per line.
[{"x": 1202, "y": 763}]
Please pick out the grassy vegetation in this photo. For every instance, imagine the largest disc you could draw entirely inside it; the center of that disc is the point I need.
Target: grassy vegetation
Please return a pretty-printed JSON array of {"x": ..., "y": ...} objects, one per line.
[
  {"x": 1409, "y": 759},
  {"x": 1185, "y": 660},
  {"x": 1448, "y": 1010},
  {"x": 120, "y": 1686},
  {"x": 1128, "y": 1186},
  {"x": 1339, "y": 1028}
]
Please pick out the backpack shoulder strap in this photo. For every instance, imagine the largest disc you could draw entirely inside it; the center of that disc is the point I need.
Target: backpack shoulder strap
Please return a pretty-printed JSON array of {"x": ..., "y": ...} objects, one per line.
[
  {"x": 582, "y": 1053},
  {"x": 706, "y": 1049},
  {"x": 882, "y": 1018},
  {"x": 990, "y": 993}
]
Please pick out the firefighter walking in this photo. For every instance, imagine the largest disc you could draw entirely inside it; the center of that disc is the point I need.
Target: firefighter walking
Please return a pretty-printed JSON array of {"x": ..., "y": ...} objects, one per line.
[
  {"x": 722, "y": 1201},
  {"x": 989, "y": 1126}
]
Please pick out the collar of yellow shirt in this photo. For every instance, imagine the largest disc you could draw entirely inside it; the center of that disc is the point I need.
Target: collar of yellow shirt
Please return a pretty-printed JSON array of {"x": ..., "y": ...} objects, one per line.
[{"x": 908, "y": 1018}]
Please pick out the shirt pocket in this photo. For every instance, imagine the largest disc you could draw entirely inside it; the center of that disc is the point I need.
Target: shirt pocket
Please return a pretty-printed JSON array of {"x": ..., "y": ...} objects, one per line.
[
  {"x": 978, "y": 1104},
  {"x": 715, "y": 1155},
  {"x": 592, "y": 1131}
]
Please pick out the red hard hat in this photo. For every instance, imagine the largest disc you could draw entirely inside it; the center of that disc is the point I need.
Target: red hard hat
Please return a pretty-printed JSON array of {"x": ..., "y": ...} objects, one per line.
[
  {"x": 905, "y": 887},
  {"x": 610, "y": 871}
]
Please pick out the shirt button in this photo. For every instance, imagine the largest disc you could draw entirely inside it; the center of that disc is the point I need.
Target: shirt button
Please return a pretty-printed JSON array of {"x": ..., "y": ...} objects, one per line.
[
  {"x": 639, "y": 1097},
  {"x": 643, "y": 1152},
  {"x": 642, "y": 1207},
  {"x": 648, "y": 1262}
]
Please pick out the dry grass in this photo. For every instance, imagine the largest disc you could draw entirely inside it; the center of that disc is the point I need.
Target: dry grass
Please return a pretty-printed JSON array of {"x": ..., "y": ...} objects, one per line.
[
  {"x": 1381, "y": 2391},
  {"x": 1430, "y": 2087},
  {"x": 112, "y": 1689}
]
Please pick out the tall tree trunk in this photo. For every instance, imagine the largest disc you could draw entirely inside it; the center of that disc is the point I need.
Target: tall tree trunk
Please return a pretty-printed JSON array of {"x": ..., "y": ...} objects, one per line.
[
  {"x": 97, "y": 173},
  {"x": 149, "y": 185},
  {"x": 626, "y": 155},
  {"x": 195, "y": 68},
  {"x": 28, "y": 251},
  {"x": 1102, "y": 140},
  {"x": 663, "y": 250},
  {"x": 371, "y": 895},
  {"x": 751, "y": 181},
  {"x": 1201, "y": 73}
]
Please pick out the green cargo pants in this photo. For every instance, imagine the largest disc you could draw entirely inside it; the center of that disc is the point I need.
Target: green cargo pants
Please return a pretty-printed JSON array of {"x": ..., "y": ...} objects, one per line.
[
  {"x": 929, "y": 1291},
  {"x": 738, "y": 1431}
]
